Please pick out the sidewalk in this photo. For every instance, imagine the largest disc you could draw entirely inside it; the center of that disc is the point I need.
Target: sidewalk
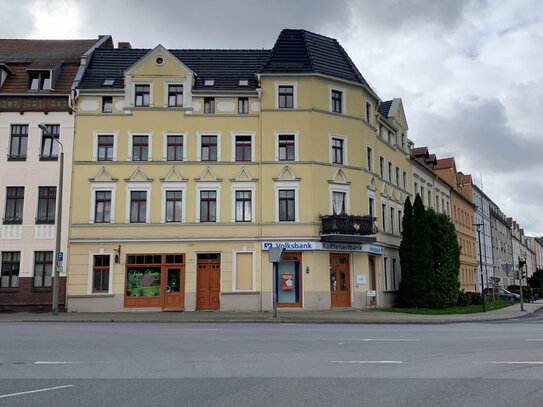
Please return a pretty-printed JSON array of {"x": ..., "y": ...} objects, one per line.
[{"x": 339, "y": 316}]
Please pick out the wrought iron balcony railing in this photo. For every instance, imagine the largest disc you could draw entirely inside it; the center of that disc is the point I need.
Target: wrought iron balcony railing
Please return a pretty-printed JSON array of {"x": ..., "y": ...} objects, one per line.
[{"x": 348, "y": 225}]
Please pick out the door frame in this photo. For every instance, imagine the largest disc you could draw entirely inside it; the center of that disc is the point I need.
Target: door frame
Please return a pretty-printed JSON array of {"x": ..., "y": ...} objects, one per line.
[
  {"x": 164, "y": 280},
  {"x": 291, "y": 257},
  {"x": 348, "y": 274}
]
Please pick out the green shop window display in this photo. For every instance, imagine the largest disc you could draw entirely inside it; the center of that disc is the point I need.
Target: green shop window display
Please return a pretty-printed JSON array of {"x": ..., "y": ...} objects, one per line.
[{"x": 143, "y": 282}]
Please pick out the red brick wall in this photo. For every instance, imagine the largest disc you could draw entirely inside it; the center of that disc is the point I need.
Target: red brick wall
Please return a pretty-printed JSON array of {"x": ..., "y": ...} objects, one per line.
[{"x": 28, "y": 298}]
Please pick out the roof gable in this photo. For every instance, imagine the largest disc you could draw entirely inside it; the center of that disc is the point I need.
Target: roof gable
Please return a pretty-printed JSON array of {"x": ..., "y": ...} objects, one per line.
[{"x": 148, "y": 64}]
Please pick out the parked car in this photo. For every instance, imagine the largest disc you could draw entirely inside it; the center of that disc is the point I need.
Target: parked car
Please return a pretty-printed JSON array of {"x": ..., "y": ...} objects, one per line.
[{"x": 501, "y": 294}]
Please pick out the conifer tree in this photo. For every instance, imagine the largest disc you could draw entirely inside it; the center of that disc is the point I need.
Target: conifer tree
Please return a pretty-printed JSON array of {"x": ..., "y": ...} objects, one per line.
[
  {"x": 423, "y": 278},
  {"x": 407, "y": 251}
]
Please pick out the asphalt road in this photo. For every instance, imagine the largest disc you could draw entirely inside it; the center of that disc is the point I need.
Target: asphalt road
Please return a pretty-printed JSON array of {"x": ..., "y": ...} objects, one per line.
[{"x": 145, "y": 364}]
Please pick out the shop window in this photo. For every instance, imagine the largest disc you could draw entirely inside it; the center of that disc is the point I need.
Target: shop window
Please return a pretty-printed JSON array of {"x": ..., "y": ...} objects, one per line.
[{"x": 100, "y": 274}]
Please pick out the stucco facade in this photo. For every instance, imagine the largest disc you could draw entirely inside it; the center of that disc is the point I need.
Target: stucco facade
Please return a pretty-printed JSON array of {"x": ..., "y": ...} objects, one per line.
[{"x": 196, "y": 193}]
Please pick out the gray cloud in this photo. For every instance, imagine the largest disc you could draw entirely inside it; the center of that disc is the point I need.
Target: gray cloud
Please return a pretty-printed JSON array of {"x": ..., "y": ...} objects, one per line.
[{"x": 15, "y": 20}]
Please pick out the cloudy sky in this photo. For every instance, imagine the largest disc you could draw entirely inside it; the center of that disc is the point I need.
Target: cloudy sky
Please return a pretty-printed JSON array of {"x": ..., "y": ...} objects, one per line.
[{"x": 470, "y": 73}]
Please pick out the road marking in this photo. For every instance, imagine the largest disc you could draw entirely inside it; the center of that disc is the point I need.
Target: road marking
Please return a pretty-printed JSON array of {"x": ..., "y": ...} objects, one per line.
[
  {"x": 35, "y": 391},
  {"x": 193, "y": 329},
  {"x": 54, "y": 362},
  {"x": 383, "y": 340},
  {"x": 384, "y": 362},
  {"x": 533, "y": 340},
  {"x": 510, "y": 362}
]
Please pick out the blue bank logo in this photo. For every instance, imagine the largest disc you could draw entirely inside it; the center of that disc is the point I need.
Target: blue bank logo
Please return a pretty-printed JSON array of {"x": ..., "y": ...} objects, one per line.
[{"x": 267, "y": 245}]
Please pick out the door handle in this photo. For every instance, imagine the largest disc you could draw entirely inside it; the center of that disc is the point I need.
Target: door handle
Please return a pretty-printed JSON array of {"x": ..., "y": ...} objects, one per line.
[{"x": 167, "y": 289}]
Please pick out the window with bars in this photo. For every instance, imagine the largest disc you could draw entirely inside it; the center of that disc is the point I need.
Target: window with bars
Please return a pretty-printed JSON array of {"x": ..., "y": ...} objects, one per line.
[
  {"x": 140, "y": 148},
  {"x": 286, "y": 97},
  {"x": 138, "y": 206},
  {"x": 175, "y": 148},
  {"x": 208, "y": 206},
  {"x": 43, "y": 267},
  {"x": 287, "y": 205},
  {"x": 174, "y": 206},
  {"x": 209, "y": 148},
  {"x": 175, "y": 95},
  {"x": 105, "y": 148},
  {"x": 13, "y": 213},
  {"x": 243, "y": 206},
  {"x": 47, "y": 198},
  {"x": 49, "y": 147},
  {"x": 102, "y": 207},
  {"x": 243, "y": 148},
  {"x": 286, "y": 148},
  {"x": 18, "y": 143},
  {"x": 9, "y": 277},
  {"x": 143, "y": 95},
  {"x": 100, "y": 274}
]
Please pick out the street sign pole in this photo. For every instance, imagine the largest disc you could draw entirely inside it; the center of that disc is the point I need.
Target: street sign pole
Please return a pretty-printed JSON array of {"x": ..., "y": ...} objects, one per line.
[{"x": 274, "y": 256}]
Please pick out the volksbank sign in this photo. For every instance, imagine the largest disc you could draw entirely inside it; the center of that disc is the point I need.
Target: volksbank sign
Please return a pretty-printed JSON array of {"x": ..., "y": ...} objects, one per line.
[{"x": 332, "y": 247}]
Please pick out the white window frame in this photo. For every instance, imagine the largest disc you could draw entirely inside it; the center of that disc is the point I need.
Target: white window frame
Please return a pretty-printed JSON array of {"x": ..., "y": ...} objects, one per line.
[
  {"x": 343, "y": 99},
  {"x": 95, "y": 136},
  {"x": 383, "y": 170},
  {"x": 386, "y": 273},
  {"x": 173, "y": 186},
  {"x": 294, "y": 95},
  {"x": 343, "y": 189},
  {"x": 344, "y": 152},
  {"x": 296, "y": 144},
  {"x": 390, "y": 170},
  {"x": 165, "y": 135},
  {"x": 371, "y": 195},
  {"x": 133, "y": 95},
  {"x": 102, "y": 186},
  {"x": 199, "y": 135},
  {"x": 243, "y": 186},
  {"x": 392, "y": 218},
  {"x": 397, "y": 175},
  {"x": 138, "y": 186},
  {"x": 101, "y": 252},
  {"x": 285, "y": 184},
  {"x": 405, "y": 181},
  {"x": 234, "y": 269},
  {"x": 370, "y": 119},
  {"x": 234, "y": 134},
  {"x": 208, "y": 186},
  {"x": 384, "y": 214},
  {"x": 149, "y": 135}
]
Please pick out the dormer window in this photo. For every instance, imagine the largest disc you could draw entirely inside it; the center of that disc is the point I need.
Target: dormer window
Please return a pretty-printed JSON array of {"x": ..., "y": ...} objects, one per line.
[
  {"x": 109, "y": 82},
  {"x": 209, "y": 82},
  {"x": 39, "y": 80},
  {"x": 244, "y": 82}
]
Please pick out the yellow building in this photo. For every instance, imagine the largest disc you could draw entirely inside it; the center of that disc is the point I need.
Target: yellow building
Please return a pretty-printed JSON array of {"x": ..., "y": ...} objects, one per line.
[{"x": 190, "y": 164}]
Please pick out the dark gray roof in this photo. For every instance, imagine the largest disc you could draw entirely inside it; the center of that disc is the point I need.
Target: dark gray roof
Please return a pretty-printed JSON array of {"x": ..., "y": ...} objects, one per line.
[
  {"x": 384, "y": 108},
  {"x": 296, "y": 51},
  {"x": 300, "y": 51},
  {"x": 227, "y": 67}
]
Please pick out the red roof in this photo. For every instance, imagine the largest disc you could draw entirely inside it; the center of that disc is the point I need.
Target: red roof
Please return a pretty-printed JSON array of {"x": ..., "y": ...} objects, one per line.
[
  {"x": 444, "y": 163},
  {"x": 418, "y": 151}
]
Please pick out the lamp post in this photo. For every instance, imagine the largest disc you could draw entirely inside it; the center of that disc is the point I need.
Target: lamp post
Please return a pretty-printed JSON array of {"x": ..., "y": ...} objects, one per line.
[
  {"x": 56, "y": 277},
  {"x": 478, "y": 225}
]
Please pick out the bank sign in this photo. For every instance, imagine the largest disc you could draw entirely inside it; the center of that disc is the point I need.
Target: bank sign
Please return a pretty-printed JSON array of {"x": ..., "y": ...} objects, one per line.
[{"x": 326, "y": 246}]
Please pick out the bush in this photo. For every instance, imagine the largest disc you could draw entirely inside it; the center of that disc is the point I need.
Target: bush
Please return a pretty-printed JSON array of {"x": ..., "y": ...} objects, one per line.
[
  {"x": 516, "y": 289},
  {"x": 468, "y": 298}
]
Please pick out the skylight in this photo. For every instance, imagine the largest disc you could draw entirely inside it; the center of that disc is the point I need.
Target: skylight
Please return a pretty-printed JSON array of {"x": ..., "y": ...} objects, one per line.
[
  {"x": 244, "y": 82},
  {"x": 209, "y": 82},
  {"x": 109, "y": 82}
]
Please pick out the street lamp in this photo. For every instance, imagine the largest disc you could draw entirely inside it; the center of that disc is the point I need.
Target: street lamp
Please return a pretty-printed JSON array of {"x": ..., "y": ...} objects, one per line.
[
  {"x": 478, "y": 225},
  {"x": 56, "y": 277}
]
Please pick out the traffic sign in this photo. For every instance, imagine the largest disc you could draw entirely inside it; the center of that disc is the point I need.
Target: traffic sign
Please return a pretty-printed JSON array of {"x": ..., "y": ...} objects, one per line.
[{"x": 60, "y": 256}]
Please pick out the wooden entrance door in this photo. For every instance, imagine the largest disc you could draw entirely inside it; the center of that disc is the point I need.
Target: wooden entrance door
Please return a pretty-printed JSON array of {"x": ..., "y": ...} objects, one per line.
[
  {"x": 373, "y": 281},
  {"x": 173, "y": 280},
  {"x": 208, "y": 283},
  {"x": 340, "y": 285}
]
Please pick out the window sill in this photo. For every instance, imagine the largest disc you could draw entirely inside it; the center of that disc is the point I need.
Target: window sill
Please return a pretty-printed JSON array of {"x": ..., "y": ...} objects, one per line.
[
  {"x": 9, "y": 289},
  {"x": 17, "y": 158},
  {"x": 41, "y": 289},
  {"x": 48, "y": 158}
]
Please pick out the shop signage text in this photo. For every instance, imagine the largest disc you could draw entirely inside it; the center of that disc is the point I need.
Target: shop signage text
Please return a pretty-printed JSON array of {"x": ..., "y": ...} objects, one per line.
[{"x": 332, "y": 247}]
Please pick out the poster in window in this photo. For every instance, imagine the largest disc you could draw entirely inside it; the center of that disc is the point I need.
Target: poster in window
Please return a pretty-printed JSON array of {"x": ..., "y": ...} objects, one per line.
[{"x": 287, "y": 281}]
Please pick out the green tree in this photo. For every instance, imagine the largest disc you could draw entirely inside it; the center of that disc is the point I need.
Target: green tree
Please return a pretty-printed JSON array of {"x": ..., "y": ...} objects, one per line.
[
  {"x": 446, "y": 259},
  {"x": 407, "y": 252},
  {"x": 423, "y": 277},
  {"x": 536, "y": 280}
]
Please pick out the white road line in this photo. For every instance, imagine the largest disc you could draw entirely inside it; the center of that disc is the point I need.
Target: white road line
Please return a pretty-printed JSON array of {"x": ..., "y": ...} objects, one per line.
[
  {"x": 533, "y": 340},
  {"x": 54, "y": 362},
  {"x": 384, "y": 362},
  {"x": 383, "y": 340},
  {"x": 35, "y": 391},
  {"x": 510, "y": 362}
]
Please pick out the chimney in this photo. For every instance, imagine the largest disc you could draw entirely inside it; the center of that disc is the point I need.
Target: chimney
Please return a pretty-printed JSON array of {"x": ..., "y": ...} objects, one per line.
[{"x": 124, "y": 45}]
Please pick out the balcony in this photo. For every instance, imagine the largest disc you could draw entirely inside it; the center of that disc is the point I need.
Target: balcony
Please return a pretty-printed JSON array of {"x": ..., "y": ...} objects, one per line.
[{"x": 348, "y": 228}]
